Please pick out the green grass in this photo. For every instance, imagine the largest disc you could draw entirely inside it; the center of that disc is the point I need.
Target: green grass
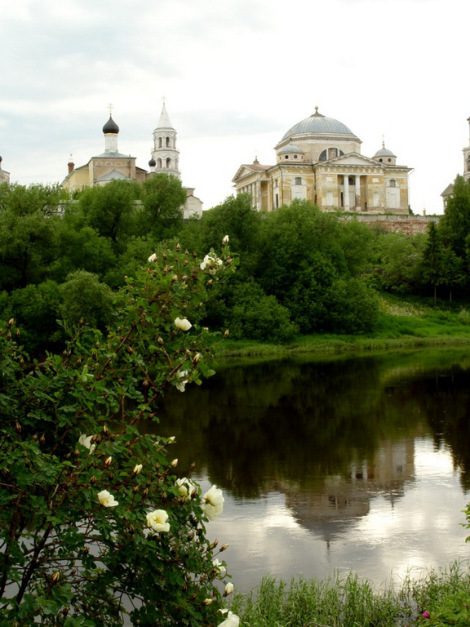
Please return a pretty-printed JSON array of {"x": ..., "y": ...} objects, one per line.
[
  {"x": 403, "y": 323},
  {"x": 350, "y": 602}
]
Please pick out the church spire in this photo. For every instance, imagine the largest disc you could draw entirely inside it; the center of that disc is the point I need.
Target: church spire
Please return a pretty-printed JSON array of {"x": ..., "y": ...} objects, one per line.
[{"x": 165, "y": 154}]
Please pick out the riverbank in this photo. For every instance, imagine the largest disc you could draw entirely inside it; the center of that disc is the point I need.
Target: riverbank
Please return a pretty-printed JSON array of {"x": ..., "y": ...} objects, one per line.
[
  {"x": 403, "y": 324},
  {"x": 440, "y": 598}
]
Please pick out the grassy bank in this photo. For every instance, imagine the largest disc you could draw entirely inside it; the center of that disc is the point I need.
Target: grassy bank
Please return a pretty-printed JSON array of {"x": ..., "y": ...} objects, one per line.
[
  {"x": 403, "y": 324},
  {"x": 349, "y": 602}
]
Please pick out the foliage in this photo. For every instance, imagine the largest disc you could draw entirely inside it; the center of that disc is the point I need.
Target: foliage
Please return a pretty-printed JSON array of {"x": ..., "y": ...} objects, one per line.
[
  {"x": 93, "y": 522},
  {"x": 109, "y": 209},
  {"x": 161, "y": 213},
  {"x": 455, "y": 223},
  {"x": 28, "y": 234},
  {"x": 244, "y": 309},
  {"x": 85, "y": 298},
  {"x": 441, "y": 598},
  {"x": 398, "y": 262}
]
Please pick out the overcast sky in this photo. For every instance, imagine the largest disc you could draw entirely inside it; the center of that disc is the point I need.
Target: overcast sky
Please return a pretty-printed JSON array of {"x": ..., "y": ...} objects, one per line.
[{"x": 236, "y": 75}]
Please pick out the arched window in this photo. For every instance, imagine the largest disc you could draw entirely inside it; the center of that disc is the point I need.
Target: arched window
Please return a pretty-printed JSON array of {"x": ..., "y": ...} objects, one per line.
[
  {"x": 322, "y": 156},
  {"x": 167, "y": 142},
  {"x": 160, "y": 143},
  {"x": 168, "y": 162},
  {"x": 298, "y": 180},
  {"x": 159, "y": 163},
  {"x": 393, "y": 183}
]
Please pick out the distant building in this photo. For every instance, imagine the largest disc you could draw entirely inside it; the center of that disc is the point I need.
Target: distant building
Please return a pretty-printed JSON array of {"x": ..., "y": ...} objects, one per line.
[
  {"x": 319, "y": 159},
  {"x": 111, "y": 165},
  {"x": 4, "y": 175},
  {"x": 449, "y": 190}
]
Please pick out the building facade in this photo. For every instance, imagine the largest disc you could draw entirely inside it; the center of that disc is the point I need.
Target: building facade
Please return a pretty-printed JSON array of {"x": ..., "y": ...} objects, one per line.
[
  {"x": 319, "y": 159},
  {"x": 4, "y": 175},
  {"x": 112, "y": 165},
  {"x": 449, "y": 190}
]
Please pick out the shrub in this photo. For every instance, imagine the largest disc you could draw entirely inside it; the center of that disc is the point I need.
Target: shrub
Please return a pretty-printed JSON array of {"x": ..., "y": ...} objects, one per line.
[{"x": 94, "y": 523}]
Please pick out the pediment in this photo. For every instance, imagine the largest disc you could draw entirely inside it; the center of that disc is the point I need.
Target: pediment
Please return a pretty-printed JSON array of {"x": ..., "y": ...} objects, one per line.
[
  {"x": 353, "y": 158},
  {"x": 249, "y": 170}
]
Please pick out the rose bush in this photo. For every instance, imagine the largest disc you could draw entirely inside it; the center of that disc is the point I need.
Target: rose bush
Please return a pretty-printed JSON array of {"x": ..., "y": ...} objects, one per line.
[{"x": 95, "y": 529}]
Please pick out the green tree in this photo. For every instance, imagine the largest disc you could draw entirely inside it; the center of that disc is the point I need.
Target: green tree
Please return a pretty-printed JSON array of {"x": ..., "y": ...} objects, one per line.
[
  {"x": 161, "y": 212},
  {"x": 455, "y": 223},
  {"x": 29, "y": 224},
  {"x": 398, "y": 262},
  {"x": 110, "y": 209},
  {"x": 85, "y": 299},
  {"x": 433, "y": 260}
]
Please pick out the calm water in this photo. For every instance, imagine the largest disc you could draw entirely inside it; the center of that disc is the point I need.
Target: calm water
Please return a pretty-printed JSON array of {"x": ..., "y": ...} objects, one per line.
[{"x": 354, "y": 464}]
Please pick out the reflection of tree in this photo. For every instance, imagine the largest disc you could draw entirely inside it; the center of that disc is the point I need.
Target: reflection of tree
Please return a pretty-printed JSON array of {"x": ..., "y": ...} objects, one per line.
[
  {"x": 445, "y": 398},
  {"x": 286, "y": 421}
]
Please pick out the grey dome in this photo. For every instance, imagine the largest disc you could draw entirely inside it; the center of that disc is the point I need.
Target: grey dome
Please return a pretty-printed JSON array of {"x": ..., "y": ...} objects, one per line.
[
  {"x": 110, "y": 127},
  {"x": 152, "y": 163},
  {"x": 384, "y": 152},
  {"x": 318, "y": 124},
  {"x": 291, "y": 148}
]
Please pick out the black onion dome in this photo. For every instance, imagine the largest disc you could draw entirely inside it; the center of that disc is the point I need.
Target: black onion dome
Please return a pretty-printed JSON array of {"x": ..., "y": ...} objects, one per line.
[
  {"x": 110, "y": 127},
  {"x": 152, "y": 163}
]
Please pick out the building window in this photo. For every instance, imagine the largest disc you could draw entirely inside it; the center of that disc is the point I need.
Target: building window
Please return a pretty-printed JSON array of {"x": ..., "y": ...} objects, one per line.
[
  {"x": 332, "y": 153},
  {"x": 298, "y": 180},
  {"x": 286, "y": 157},
  {"x": 322, "y": 156},
  {"x": 295, "y": 156},
  {"x": 160, "y": 142},
  {"x": 168, "y": 162},
  {"x": 159, "y": 163},
  {"x": 393, "y": 183},
  {"x": 167, "y": 142}
]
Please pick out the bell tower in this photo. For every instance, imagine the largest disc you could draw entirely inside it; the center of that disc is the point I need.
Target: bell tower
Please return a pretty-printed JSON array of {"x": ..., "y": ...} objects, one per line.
[
  {"x": 165, "y": 153},
  {"x": 466, "y": 158}
]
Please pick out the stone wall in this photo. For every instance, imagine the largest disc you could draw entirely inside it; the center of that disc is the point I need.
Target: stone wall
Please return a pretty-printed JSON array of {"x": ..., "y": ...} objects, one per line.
[{"x": 409, "y": 225}]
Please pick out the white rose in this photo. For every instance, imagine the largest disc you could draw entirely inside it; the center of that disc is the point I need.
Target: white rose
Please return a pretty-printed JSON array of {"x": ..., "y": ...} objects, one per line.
[
  {"x": 213, "y": 502},
  {"x": 181, "y": 374},
  {"x": 232, "y": 619},
  {"x": 217, "y": 564},
  {"x": 183, "y": 324},
  {"x": 106, "y": 499},
  {"x": 228, "y": 588},
  {"x": 85, "y": 440},
  {"x": 185, "y": 487},
  {"x": 152, "y": 258},
  {"x": 225, "y": 240},
  {"x": 157, "y": 521}
]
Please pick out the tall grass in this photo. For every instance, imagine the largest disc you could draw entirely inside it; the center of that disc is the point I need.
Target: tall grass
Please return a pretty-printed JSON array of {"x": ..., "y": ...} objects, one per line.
[{"x": 350, "y": 602}]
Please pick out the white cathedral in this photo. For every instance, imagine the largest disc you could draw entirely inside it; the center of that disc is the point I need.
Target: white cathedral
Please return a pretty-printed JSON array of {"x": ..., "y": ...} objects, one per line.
[
  {"x": 319, "y": 159},
  {"x": 112, "y": 165}
]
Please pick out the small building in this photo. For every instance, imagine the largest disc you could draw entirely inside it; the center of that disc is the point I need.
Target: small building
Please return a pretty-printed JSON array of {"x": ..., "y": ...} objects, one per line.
[
  {"x": 449, "y": 190},
  {"x": 319, "y": 159},
  {"x": 4, "y": 175}
]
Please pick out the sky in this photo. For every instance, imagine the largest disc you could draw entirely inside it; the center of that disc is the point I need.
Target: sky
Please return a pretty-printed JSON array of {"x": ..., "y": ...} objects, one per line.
[{"x": 235, "y": 76}]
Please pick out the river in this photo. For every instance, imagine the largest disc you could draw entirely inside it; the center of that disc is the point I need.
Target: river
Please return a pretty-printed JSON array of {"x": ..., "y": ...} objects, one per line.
[{"x": 328, "y": 466}]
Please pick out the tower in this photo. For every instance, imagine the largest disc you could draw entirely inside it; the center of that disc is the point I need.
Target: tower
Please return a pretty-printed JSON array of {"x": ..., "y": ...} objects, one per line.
[
  {"x": 165, "y": 154},
  {"x": 466, "y": 159}
]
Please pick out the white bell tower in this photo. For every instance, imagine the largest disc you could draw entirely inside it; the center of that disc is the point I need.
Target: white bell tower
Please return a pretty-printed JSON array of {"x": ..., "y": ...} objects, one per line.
[{"x": 165, "y": 153}]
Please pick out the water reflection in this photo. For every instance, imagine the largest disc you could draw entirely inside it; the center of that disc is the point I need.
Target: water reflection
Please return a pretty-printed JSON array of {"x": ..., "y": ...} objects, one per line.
[{"x": 353, "y": 463}]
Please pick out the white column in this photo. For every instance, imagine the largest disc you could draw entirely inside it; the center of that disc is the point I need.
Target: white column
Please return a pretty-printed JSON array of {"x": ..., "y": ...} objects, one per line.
[
  {"x": 346, "y": 192},
  {"x": 358, "y": 191}
]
